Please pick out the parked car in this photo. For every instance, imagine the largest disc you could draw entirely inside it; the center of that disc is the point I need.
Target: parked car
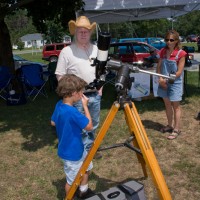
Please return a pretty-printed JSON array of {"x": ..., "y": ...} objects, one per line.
[
  {"x": 51, "y": 51},
  {"x": 156, "y": 42},
  {"x": 131, "y": 52},
  {"x": 189, "y": 49},
  {"x": 134, "y": 52},
  {"x": 19, "y": 61},
  {"x": 182, "y": 38},
  {"x": 189, "y": 57},
  {"x": 192, "y": 38}
]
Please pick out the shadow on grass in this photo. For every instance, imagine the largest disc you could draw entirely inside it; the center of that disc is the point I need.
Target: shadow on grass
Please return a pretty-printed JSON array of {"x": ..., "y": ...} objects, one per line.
[
  {"x": 110, "y": 96},
  {"x": 102, "y": 184},
  {"x": 191, "y": 90},
  {"x": 32, "y": 120},
  {"x": 60, "y": 186},
  {"x": 149, "y": 124}
]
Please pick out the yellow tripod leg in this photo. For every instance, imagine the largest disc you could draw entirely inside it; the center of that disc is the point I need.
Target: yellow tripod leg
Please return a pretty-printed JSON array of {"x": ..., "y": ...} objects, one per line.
[
  {"x": 136, "y": 127},
  {"x": 93, "y": 150},
  {"x": 139, "y": 156},
  {"x": 135, "y": 144}
]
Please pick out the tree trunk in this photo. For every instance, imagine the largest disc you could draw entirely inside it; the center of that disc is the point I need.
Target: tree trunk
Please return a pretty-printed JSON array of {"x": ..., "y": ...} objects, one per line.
[{"x": 6, "y": 56}]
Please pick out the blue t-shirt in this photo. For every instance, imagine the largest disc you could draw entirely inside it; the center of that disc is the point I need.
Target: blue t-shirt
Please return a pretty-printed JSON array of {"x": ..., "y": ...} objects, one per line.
[{"x": 69, "y": 124}]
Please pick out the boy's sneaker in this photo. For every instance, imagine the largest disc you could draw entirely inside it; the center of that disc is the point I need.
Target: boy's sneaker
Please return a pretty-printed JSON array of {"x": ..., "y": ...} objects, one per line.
[{"x": 89, "y": 193}]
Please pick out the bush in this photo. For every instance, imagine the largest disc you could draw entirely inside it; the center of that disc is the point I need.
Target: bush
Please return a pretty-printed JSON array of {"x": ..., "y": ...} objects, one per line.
[{"x": 20, "y": 45}]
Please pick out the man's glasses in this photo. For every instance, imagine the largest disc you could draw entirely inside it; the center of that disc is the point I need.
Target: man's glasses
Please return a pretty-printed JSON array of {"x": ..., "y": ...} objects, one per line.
[
  {"x": 83, "y": 32},
  {"x": 171, "y": 40}
]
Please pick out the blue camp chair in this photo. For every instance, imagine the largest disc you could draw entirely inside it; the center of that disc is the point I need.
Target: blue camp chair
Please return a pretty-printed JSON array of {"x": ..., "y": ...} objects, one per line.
[
  {"x": 33, "y": 80},
  {"x": 5, "y": 82}
]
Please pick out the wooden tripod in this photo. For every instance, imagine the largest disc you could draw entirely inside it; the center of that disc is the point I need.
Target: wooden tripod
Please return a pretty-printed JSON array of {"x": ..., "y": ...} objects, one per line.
[{"x": 140, "y": 140}]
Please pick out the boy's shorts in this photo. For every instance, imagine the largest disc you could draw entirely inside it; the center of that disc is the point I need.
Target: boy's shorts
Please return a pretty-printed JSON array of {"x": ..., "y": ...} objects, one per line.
[{"x": 71, "y": 168}]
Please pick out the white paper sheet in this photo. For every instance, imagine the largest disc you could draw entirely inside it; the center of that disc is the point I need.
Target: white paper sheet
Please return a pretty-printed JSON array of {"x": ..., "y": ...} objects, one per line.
[{"x": 140, "y": 86}]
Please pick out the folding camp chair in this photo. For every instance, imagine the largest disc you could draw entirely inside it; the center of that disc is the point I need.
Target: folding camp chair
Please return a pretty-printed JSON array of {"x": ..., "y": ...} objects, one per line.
[
  {"x": 33, "y": 81},
  {"x": 5, "y": 82},
  {"x": 52, "y": 77}
]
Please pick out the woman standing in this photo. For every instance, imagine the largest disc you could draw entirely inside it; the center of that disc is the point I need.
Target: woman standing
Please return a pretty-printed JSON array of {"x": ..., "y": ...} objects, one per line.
[{"x": 172, "y": 61}]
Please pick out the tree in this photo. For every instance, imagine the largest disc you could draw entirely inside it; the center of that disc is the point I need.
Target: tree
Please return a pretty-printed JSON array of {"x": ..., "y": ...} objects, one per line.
[
  {"x": 41, "y": 11},
  {"x": 19, "y": 24},
  {"x": 188, "y": 24},
  {"x": 55, "y": 32},
  {"x": 145, "y": 28},
  {"x": 20, "y": 45}
]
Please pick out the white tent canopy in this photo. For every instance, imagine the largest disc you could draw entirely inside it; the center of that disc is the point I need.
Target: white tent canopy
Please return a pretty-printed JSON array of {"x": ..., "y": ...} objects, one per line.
[{"x": 113, "y": 11}]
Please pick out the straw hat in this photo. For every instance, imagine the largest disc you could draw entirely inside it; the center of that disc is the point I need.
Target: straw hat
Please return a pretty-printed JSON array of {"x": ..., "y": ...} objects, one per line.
[{"x": 81, "y": 21}]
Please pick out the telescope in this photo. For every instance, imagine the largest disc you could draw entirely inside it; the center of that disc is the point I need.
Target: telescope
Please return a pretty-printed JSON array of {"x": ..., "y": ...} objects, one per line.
[
  {"x": 118, "y": 65},
  {"x": 104, "y": 65},
  {"x": 100, "y": 61}
]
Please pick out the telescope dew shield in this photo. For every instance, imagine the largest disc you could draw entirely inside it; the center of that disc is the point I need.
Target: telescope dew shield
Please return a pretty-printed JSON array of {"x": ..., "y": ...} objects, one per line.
[{"x": 102, "y": 54}]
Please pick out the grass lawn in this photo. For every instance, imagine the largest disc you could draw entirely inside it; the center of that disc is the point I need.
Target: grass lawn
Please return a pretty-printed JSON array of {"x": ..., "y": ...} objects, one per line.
[
  {"x": 30, "y": 168},
  {"x": 36, "y": 57}
]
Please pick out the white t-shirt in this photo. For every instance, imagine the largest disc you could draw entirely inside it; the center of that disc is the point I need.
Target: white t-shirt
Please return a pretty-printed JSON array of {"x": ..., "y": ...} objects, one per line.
[{"x": 73, "y": 60}]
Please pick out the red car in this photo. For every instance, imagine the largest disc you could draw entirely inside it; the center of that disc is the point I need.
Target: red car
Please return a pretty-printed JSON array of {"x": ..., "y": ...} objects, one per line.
[
  {"x": 131, "y": 52},
  {"x": 51, "y": 51},
  {"x": 192, "y": 38},
  {"x": 134, "y": 52}
]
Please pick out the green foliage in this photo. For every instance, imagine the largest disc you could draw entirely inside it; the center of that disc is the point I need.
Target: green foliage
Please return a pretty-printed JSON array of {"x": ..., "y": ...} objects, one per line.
[
  {"x": 41, "y": 11},
  {"x": 191, "y": 44},
  {"x": 20, "y": 45},
  {"x": 55, "y": 32},
  {"x": 188, "y": 24},
  {"x": 60, "y": 11},
  {"x": 19, "y": 24},
  {"x": 147, "y": 28}
]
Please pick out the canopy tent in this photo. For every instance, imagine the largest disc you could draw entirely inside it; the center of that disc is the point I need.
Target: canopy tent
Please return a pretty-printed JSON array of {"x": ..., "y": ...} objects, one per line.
[{"x": 113, "y": 11}]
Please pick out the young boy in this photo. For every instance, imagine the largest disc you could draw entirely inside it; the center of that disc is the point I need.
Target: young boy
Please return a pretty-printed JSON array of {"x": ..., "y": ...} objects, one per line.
[{"x": 69, "y": 123}]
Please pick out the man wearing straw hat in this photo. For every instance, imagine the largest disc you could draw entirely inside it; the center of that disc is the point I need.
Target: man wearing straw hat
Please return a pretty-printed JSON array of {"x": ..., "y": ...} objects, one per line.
[{"x": 77, "y": 59}]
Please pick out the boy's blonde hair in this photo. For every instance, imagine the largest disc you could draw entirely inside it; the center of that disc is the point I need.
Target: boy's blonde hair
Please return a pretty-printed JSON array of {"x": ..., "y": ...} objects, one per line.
[{"x": 69, "y": 84}]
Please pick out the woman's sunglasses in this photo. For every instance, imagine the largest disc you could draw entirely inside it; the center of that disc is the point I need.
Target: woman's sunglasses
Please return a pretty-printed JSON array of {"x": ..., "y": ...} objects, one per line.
[{"x": 171, "y": 40}]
